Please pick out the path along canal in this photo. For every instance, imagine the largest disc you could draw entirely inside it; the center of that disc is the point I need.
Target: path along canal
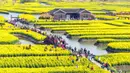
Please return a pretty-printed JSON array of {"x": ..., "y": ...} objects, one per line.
[
  {"x": 96, "y": 50},
  {"x": 15, "y": 14},
  {"x": 71, "y": 42}
]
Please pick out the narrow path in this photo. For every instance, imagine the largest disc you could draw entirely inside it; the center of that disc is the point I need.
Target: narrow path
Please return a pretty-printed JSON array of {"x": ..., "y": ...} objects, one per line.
[
  {"x": 27, "y": 39},
  {"x": 97, "y": 63},
  {"x": 23, "y": 39},
  {"x": 28, "y": 26}
]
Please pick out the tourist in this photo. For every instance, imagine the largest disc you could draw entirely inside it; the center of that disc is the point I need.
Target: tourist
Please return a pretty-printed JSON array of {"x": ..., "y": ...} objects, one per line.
[
  {"x": 92, "y": 68},
  {"x": 30, "y": 46},
  {"x": 89, "y": 58},
  {"x": 88, "y": 52},
  {"x": 55, "y": 42},
  {"x": 85, "y": 51},
  {"x": 45, "y": 49},
  {"x": 112, "y": 71},
  {"x": 93, "y": 56},
  {"x": 106, "y": 65},
  {"x": 73, "y": 61},
  {"x": 63, "y": 41},
  {"x": 88, "y": 66},
  {"x": 72, "y": 50},
  {"x": 77, "y": 58},
  {"x": 24, "y": 47},
  {"x": 86, "y": 55},
  {"x": 102, "y": 66},
  {"x": 63, "y": 46},
  {"x": 81, "y": 50},
  {"x": 75, "y": 49},
  {"x": 71, "y": 58},
  {"x": 57, "y": 58}
]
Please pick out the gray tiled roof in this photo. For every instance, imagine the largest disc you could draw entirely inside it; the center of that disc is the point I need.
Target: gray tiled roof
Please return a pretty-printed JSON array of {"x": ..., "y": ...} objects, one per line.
[
  {"x": 68, "y": 10},
  {"x": 52, "y": 11}
]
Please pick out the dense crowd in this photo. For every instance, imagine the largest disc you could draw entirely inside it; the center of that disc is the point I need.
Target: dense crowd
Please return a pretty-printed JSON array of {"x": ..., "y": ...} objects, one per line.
[
  {"x": 19, "y": 20},
  {"x": 58, "y": 41}
]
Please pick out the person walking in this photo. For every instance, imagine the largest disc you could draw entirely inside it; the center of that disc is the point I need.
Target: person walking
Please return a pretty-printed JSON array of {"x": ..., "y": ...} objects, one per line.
[
  {"x": 92, "y": 68},
  {"x": 75, "y": 49},
  {"x": 77, "y": 58},
  {"x": 85, "y": 51}
]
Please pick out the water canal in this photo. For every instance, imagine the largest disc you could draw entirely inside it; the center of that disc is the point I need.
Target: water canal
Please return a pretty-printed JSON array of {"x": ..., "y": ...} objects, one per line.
[{"x": 71, "y": 42}]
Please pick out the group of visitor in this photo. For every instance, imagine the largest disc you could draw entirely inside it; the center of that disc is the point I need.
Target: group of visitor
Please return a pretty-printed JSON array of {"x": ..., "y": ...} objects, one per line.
[
  {"x": 105, "y": 65},
  {"x": 58, "y": 41},
  {"x": 81, "y": 52},
  {"x": 24, "y": 21}
]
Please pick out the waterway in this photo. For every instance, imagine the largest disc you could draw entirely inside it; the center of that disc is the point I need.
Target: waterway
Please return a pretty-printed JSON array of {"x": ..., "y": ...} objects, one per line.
[
  {"x": 71, "y": 42},
  {"x": 15, "y": 14},
  {"x": 24, "y": 42}
]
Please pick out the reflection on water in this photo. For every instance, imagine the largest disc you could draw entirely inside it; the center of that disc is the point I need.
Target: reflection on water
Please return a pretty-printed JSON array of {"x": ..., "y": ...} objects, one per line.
[
  {"x": 37, "y": 16},
  {"x": 44, "y": 4},
  {"x": 6, "y": 16},
  {"x": 15, "y": 14},
  {"x": 72, "y": 42},
  {"x": 89, "y": 46},
  {"x": 21, "y": 41}
]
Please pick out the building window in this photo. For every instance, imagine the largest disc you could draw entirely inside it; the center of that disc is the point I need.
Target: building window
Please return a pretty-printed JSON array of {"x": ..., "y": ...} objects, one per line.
[
  {"x": 85, "y": 16},
  {"x": 61, "y": 16}
]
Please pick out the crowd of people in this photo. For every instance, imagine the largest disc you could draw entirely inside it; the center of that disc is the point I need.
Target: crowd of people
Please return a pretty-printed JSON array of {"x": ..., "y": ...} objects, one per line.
[
  {"x": 58, "y": 41},
  {"x": 23, "y": 24},
  {"x": 19, "y": 20}
]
